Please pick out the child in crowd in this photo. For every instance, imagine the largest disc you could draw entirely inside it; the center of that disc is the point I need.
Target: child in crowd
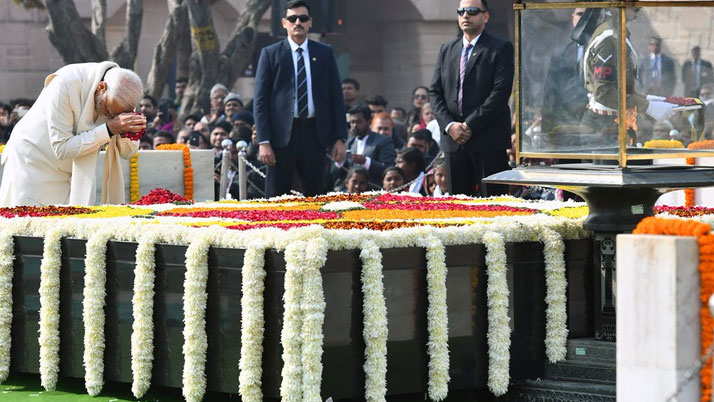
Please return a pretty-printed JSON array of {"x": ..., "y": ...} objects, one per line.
[
  {"x": 392, "y": 178},
  {"x": 357, "y": 179},
  {"x": 440, "y": 179},
  {"x": 411, "y": 161}
]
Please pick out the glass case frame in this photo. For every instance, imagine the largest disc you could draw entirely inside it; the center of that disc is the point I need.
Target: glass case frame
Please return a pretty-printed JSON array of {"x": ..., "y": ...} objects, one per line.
[{"x": 623, "y": 156}]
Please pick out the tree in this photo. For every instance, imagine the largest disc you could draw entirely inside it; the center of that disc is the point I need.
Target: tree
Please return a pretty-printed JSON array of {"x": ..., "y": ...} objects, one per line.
[{"x": 187, "y": 19}]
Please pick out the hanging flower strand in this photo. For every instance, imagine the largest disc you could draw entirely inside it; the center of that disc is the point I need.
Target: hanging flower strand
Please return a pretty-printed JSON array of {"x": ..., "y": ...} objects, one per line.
[
  {"x": 49, "y": 308},
  {"x": 556, "y": 329},
  {"x": 142, "y": 335},
  {"x": 95, "y": 279},
  {"x": 7, "y": 255},
  {"x": 252, "y": 323},
  {"x": 375, "y": 323},
  {"x": 499, "y": 331},
  {"x": 438, "y": 319},
  {"x": 290, "y": 337},
  {"x": 194, "y": 310}
]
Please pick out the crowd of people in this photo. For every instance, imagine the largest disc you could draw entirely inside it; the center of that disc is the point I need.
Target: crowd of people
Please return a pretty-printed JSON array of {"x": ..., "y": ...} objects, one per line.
[
  {"x": 307, "y": 135},
  {"x": 391, "y": 166}
]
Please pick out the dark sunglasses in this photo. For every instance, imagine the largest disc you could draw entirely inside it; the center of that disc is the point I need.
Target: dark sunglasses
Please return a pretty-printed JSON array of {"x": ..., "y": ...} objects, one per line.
[
  {"x": 302, "y": 18},
  {"x": 420, "y": 96},
  {"x": 472, "y": 11}
]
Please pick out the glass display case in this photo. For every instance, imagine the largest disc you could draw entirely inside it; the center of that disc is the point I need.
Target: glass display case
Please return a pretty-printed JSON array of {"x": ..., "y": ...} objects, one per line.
[{"x": 580, "y": 66}]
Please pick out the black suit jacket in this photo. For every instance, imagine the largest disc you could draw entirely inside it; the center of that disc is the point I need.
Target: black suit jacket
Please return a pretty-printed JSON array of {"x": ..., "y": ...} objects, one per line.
[
  {"x": 564, "y": 95},
  {"x": 706, "y": 75},
  {"x": 487, "y": 87},
  {"x": 381, "y": 151},
  {"x": 662, "y": 87},
  {"x": 275, "y": 91}
]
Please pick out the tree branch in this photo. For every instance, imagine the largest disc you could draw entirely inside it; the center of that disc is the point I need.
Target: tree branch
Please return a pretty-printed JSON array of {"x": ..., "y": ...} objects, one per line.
[
  {"x": 74, "y": 42},
  {"x": 166, "y": 47},
  {"x": 124, "y": 53},
  {"x": 99, "y": 20},
  {"x": 239, "y": 50}
]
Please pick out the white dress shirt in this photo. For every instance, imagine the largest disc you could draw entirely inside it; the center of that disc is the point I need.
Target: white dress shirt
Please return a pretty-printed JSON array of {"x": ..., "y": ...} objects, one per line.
[
  {"x": 471, "y": 53},
  {"x": 306, "y": 58}
]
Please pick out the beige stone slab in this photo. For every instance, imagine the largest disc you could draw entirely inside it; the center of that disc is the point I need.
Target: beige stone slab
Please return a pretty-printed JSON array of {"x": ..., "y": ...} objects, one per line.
[
  {"x": 658, "y": 326},
  {"x": 165, "y": 169}
]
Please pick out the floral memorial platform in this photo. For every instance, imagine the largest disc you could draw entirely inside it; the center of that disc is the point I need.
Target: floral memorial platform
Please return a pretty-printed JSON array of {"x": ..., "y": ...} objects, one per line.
[{"x": 340, "y": 295}]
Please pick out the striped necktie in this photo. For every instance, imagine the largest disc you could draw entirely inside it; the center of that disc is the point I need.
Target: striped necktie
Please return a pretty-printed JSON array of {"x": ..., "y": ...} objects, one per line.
[
  {"x": 301, "y": 86},
  {"x": 462, "y": 74}
]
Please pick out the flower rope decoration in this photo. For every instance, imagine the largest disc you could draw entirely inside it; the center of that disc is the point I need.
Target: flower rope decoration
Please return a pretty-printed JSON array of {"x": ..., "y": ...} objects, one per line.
[
  {"x": 194, "y": 310},
  {"x": 375, "y": 330},
  {"x": 664, "y": 144},
  {"x": 556, "y": 328},
  {"x": 252, "y": 323},
  {"x": 290, "y": 337},
  {"x": 187, "y": 168},
  {"x": 134, "y": 178},
  {"x": 689, "y": 192},
  {"x": 499, "y": 331},
  {"x": 705, "y": 239},
  {"x": 313, "y": 310},
  {"x": 95, "y": 279},
  {"x": 7, "y": 255},
  {"x": 438, "y": 319},
  {"x": 142, "y": 334},
  {"x": 49, "y": 307}
]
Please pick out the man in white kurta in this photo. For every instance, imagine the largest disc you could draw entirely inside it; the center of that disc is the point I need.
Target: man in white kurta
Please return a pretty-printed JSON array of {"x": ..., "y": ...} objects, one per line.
[{"x": 51, "y": 156}]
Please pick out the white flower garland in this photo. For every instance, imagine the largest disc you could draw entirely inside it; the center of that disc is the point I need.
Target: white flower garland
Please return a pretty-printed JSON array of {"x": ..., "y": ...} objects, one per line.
[
  {"x": 290, "y": 337},
  {"x": 313, "y": 310},
  {"x": 556, "y": 328},
  {"x": 194, "y": 310},
  {"x": 375, "y": 330},
  {"x": 49, "y": 308},
  {"x": 438, "y": 319},
  {"x": 7, "y": 255},
  {"x": 252, "y": 323},
  {"x": 499, "y": 331},
  {"x": 95, "y": 279},
  {"x": 142, "y": 335}
]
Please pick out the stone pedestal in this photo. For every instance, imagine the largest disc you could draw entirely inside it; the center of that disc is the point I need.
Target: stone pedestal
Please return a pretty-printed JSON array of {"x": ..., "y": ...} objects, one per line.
[
  {"x": 658, "y": 338},
  {"x": 164, "y": 169}
]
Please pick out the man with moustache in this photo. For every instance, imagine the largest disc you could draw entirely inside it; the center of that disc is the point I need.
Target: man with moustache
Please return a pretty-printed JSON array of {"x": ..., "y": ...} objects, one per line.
[
  {"x": 298, "y": 118},
  {"x": 472, "y": 82}
]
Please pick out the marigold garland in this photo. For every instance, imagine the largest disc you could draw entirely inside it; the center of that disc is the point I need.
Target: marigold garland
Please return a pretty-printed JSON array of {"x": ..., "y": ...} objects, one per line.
[
  {"x": 682, "y": 227},
  {"x": 664, "y": 144},
  {"x": 2, "y": 148},
  {"x": 188, "y": 169},
  {"x": 134, "y": 178},
  {"x": 689, "y": 193}
]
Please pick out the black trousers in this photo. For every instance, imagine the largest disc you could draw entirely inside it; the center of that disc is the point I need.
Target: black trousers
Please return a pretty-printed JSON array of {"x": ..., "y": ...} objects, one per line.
[
  {"x": 303, "y": 155},
  {"x": 466, "y": 169}
]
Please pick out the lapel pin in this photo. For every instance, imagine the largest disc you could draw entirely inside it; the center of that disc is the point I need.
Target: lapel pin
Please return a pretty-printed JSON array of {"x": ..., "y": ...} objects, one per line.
[{"x": 314, "y": 59}]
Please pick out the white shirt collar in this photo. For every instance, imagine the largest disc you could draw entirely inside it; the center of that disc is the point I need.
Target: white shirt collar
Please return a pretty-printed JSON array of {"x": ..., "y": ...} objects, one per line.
[
  {"x": 473, "y": 42},
  {"x": 294, "y": 46}
]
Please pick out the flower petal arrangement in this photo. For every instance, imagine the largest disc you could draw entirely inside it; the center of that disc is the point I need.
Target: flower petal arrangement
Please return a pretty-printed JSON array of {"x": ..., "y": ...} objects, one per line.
[{"x": 304, "y": 229}]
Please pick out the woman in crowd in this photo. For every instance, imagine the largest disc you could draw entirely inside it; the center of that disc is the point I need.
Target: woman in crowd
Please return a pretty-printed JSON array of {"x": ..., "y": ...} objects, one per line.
[
  {"x": 392, "y": 178},
  {"x": 420, "y": 96},
  {"x": 411, "y": 161},
  {"x": 356, "y": 180}
]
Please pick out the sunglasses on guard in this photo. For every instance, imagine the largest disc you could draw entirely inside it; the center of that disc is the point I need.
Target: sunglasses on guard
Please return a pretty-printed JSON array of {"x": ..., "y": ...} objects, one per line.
[
  {"x": 472, "y": 11},
  {"x": 302, "y": 18}
]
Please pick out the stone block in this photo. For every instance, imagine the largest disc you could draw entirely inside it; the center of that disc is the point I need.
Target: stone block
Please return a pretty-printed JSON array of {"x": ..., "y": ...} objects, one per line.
[
  {"x": 165, "y": 169},
  {"x": 658, "y": 326}
]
